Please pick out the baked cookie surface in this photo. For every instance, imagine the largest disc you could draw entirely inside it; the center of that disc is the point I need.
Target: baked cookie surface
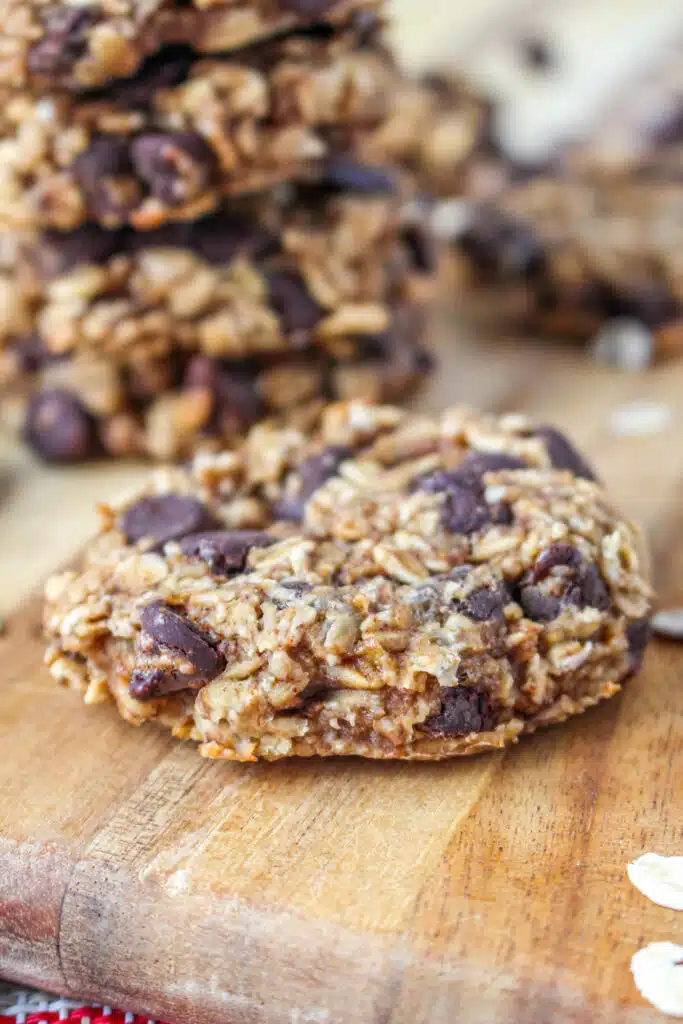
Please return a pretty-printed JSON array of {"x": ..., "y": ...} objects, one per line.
[
  {"x": 169, "y": 143},
  {"x": 381, "y": 584},
  {"x": 55, "y": 43}
]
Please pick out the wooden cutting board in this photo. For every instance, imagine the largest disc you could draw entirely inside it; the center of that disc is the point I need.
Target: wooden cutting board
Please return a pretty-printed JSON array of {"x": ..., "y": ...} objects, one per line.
[{"x": 344, "y": 892}]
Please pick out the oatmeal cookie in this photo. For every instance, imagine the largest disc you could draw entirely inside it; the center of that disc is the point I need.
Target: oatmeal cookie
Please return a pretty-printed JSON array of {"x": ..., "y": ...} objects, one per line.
[
  {"x": 570, "y": 252},
  {"x": 377, "y": 583},
  {"x": 48, "y": 44},
  {"x": 167, "y": 405},
  {"x": 269, "y": 274},
  {"x": 171, "y": 142}
]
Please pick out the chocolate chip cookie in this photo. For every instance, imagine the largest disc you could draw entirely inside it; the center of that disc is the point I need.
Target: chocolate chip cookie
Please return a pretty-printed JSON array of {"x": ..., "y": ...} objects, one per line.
[
  {"x": 162, "y": 342},
  {"x": 377, "y": 583},
  {"x": 268, "y": 274},
  {"x": 48, "y": 44},
  {"x": 166, "y": 407},
  {"x": 568, "y": 253},
  {"x": 172, "y": 141}
]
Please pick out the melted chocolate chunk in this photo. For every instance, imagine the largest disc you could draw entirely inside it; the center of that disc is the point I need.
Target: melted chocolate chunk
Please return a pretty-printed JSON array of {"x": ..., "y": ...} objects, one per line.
[
  {"x": 465, "y": 509},
  {"x": 169, "y": 630},
  {"x": 65, "y": 40},
  {"x": 165, "y": 517},
  {"x": 560, "y": 578},
  {"x": 163, "y": 70},
  {"x": 176, "y": 166},
  {"x": 296, "y": 307},
  {"x": 314, "y": 472},
  {"x": 237, "y": 403},
  {"x": 422, "y": 248},
  {"x": 224, "y": 551},
  {"x": 485, "y": 603},
  {"x": 346, "y": 175},
  {"x": 59, "y": 428},
  {"x": 99, "y": 169},
  {"x": 563, "y": 454},
  {"x": 62, "y": 251},
  {"x": 463, "y": 711},
  {"x": 500, "y": 246},
  {"x": 476, "y": 465}
]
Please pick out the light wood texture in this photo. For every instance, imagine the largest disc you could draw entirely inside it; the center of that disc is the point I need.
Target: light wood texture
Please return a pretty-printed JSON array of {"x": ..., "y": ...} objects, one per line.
[{"x": 344, "y": 892}]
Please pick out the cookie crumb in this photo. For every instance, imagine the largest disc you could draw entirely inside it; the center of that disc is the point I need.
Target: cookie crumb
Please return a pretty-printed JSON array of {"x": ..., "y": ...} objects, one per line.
[
  {"x": 658, "y": 973},
  {"x": 659, "y": 878},
  {"x": 668, "y": 623}
]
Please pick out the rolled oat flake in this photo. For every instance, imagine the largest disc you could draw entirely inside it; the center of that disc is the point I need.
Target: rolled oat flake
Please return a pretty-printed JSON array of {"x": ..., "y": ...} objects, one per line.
[
  {"x": 658, "y": 973},
  {"x": 659, "y": 878}
]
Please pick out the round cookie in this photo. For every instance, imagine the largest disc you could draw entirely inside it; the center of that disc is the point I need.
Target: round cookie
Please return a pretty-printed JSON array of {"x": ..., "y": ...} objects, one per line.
[{"x": 383, "y": 584}]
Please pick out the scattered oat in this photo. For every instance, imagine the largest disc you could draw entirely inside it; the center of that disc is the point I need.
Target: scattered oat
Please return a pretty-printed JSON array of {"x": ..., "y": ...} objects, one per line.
[
  {"x": 637, "y": 419},
  {"x": 668, "y": 623},
  {"x": 625, "y": 343},
  {"x": 658, "y": 974},
  {"x": 659, "y": 878}
]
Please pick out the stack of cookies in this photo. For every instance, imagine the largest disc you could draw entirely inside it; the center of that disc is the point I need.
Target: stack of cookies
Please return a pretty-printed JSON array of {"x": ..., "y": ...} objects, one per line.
[{"x": 197, "y": 225}]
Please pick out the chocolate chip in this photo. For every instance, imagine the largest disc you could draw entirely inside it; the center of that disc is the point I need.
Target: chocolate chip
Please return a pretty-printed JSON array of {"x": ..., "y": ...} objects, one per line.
[
  {"x": 545, "y": 591},
  {"x": 223, "y": 237},
  {"x": 465, "y": 509},
  {"x": 61, "y": 251},
  {"x": 476, "y": 465},
  {"x": 560, "y": 553},
  {"x": 500, "y": 246},
  {"x": 224, "y": 551},
  {"x": 165, "y": 517},
  {"x": 176, "y": 166},
  {"x": 539, "y": 607},
  {"x": 164, "y": 70},
  {"x": 484, "y": 604},
  {"x": 315, "y": 690},
  {"x": 58, "y": 428},
  {"x": 463, "y": 711},
  {"x": 563, "y": 454},
  {"x": 422, "y": 248},
  {"x": 99, "y": 170},
  {"x": 313, "y": 473},
  {"x": 309, "y": 9},
  {"x": 171, "y": 235},
  {"x": 169, "y": 630},
  {"x": 637, "y": 636},
  {"x": 30, "y": 354},
  {"x": 237, "y": 403},
  {"x": 348, "y": 176},
  {"x": 65, "y": 40},
  {"x": 297, "y": 309},
  {"x": 464, "y": 512}
]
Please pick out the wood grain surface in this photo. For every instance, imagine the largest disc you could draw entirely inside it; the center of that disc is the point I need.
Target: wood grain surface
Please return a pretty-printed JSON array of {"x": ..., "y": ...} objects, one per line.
[{"x": 489, "y": 890}]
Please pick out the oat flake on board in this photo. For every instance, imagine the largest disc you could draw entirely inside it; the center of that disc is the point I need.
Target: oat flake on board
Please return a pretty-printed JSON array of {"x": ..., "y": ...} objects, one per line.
[
  {"x": 658, "y": 974},
  {"x": 659, "y": 878}
]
